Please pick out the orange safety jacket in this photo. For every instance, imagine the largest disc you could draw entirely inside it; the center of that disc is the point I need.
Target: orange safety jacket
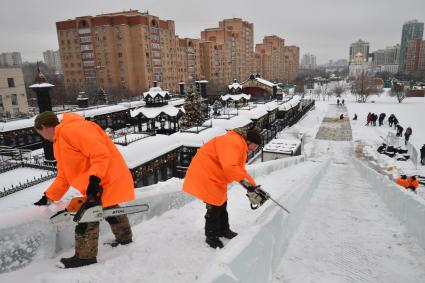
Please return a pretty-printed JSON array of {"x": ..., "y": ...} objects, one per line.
[
  {"x": 406, "y": 183},
  {"x": 217, "y": 163},
  {"x": 82, "y": 149}
]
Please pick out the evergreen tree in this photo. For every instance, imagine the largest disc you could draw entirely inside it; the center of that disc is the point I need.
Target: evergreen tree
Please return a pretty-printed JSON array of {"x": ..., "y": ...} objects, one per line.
[{"x": 194, "y": 110}]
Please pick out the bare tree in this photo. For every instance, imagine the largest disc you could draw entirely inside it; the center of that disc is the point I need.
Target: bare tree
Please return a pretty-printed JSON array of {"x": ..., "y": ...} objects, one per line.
[
  {"x": 338, "y": 89},
  {"x": 364, "y": 86},
  {"x": 398, "y": 91}
]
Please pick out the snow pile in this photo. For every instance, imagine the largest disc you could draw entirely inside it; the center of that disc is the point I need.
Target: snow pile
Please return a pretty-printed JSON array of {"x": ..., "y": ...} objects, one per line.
[
  {"x": 406, "y": 206},
  {"x": 264, "y": 245}
]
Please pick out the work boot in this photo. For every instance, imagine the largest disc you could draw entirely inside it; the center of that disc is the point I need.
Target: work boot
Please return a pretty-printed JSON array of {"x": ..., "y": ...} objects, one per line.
[
  {"x": 229, "y": 234},
  {"x": 115, "y": 243},
  {"x": 214, "y": 242},
  {"x": 75, "y": 261}
]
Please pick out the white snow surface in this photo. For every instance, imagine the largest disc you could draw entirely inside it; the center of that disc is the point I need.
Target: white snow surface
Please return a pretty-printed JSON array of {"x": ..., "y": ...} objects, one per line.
[{"x": 348, "y": 223}]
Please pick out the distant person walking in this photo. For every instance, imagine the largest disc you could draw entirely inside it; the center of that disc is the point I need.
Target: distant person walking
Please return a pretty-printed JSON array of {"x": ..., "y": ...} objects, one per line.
[
  {"x": 337, "y": 102},
  {"x": 407, "y": 135},
  {"x": 342, "y": 102},
  {"x": 423, "y": 155},
  {"x": 355, "y": 116}
]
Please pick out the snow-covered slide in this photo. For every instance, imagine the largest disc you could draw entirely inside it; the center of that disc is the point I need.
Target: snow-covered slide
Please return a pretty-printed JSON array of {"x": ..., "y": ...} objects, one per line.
[{"x": 349, "y": 235}]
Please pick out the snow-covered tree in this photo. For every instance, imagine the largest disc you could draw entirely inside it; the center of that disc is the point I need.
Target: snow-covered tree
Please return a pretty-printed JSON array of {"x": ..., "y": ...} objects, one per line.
[{"x": 194, "y": 110}]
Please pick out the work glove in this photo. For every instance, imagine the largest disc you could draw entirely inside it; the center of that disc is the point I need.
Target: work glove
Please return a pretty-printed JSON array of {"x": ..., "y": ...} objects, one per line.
[
  {"x": 94, "y": 190},
  {"x": 43, "y": 201},
  {"x": 247, "y": 185},
  {"x": 257, "y": 197}
]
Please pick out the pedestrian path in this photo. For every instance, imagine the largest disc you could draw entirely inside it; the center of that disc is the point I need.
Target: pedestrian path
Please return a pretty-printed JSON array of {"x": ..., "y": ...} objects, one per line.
[
  {"x": 334, "y": 128},
  {"x": 348, "y": 234}
]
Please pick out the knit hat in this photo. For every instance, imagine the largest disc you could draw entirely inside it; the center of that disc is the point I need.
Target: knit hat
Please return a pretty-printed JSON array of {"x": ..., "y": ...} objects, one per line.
[
  {"x": 254, "y": 136},
  {"x": 47, "y": 118}
]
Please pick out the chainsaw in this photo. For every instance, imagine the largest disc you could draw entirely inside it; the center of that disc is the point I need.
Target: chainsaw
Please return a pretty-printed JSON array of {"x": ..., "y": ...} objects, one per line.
[{"x": 81, "y": 211}]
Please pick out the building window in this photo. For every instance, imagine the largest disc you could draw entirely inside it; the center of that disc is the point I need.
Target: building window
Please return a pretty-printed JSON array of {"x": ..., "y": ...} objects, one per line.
[
  {"x": 156, "y": 54},
  {"x": 88, "y": 63},
  {"x": 1, "y": 102},
  {"x": 119, "y": 54},
  {"x": 87, "y": 55},
  {"x": 86, "y": 47},
  {"x": 14, "y": 99},
  {"x": 156, "y": 46},
  {"x": 156, "y": 61},
  {"x": 10, "y": 82},
  {"x": 85, "y": 39}
]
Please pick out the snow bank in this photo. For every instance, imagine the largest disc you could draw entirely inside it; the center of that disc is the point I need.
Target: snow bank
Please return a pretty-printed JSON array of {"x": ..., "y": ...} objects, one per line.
[
  {"x": 406, "y": 206},
  {"x": 26, "y": 234},
  {"x": 257, "y": 254}
]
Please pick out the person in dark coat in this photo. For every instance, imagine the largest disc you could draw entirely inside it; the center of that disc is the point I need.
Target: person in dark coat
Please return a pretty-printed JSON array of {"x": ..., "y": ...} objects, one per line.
[
  {"x": 407, "y": 135},
  {"x": 391, "y": 120},
  {"x": 381, "y": 119},
  {"x": 374, "y": 118},
  {"x": 399, "y": 131},
  {"x": 395, "y": 122},
  {"x": 337, "y": 102},
  {"x": 342, "y": 102},
  {"x": 423, "y": 155},
  {"x": 355, "y": 116}
]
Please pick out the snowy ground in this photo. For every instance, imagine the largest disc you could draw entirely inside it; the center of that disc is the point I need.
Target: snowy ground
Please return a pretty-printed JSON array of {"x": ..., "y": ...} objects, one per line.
[{"x": 344, "y": 233}]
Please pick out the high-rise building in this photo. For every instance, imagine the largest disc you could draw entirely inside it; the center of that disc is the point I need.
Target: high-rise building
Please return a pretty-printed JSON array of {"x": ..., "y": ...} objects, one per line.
[
  {"x": 414, "y": 56},
  {"x": 308, "y": 61},
  {"x": 13, "y": 97},
  {"x": 124, "y": 53},
  {"x": 270, "y": 58},
  {"x": 11, "y": 59},
  {"x": 411, "y": 30},
  {"x": 52, "y": 59},
  {"x": 386, "y": 60},
  {"x": 359, "y": 46},
  {"x": 291, "y": 62},
  {"x": 232, "y": 46}
]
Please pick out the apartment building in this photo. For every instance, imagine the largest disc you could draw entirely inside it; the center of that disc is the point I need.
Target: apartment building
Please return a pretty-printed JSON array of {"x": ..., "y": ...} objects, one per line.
[
  {"x": 11, "y": 59},
  {"x": 414, "y": 56},
  {"x": 270, "y": 58},
  {"x": 13, "y": 97},
  {"x": 228, "y": 51},
  {"x": 52, "y": 59},
  {"x": 124, "y": 53},
  {"x": 291, "y": 62}
]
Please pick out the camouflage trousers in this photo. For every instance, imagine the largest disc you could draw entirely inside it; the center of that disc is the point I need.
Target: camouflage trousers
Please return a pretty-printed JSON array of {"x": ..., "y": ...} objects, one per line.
[{"x": 87, "y": 235}]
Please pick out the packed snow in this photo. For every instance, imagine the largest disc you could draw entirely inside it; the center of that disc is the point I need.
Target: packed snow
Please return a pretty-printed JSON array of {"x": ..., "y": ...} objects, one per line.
[{"x": 349, "y": 222}]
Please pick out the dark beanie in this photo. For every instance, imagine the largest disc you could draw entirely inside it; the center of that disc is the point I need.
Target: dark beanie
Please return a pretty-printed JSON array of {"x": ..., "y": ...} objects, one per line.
[
  {"x": 254, "y": 136},
  {"x": 47, "y": 118}
]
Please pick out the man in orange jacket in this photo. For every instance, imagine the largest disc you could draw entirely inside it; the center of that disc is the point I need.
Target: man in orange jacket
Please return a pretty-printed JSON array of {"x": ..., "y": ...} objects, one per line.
[
  {"x": 410, "y": 183},
  {"x": 216, "y": 164},
  {"x": 90, "y": 162}
]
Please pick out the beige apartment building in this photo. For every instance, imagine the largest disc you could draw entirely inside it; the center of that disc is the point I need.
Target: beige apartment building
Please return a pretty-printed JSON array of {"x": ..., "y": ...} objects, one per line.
[
  {"x": 13, "y": 97},
  {"x": 291, "y": 63},
  {"x": 228, "y": 51},
  {"x": 270, "y": 58},
  {"x": 414, "y": 56},
  {"x": 124, "y": 53}
]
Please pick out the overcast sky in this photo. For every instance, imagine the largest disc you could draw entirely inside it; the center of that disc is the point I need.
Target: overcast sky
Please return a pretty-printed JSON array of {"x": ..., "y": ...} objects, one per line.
[{"x": 324, "y": 28}]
